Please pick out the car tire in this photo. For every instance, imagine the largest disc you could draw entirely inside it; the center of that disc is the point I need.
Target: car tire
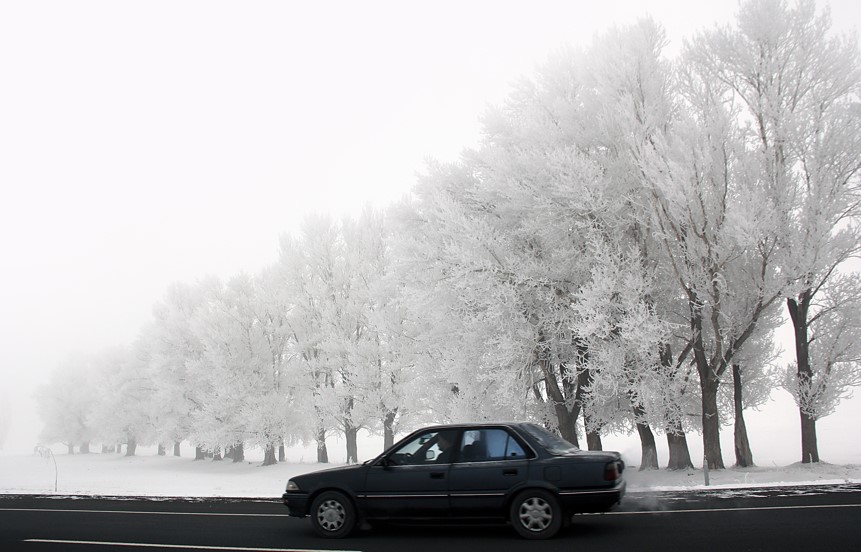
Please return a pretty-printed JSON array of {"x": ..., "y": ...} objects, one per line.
[
  {"x": 333, "y": 515},
  {"x": 535, "y": 514}
]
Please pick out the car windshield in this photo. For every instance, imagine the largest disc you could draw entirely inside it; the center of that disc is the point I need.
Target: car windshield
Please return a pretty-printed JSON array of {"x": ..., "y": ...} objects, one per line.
[{"x": 553, "y": 443}]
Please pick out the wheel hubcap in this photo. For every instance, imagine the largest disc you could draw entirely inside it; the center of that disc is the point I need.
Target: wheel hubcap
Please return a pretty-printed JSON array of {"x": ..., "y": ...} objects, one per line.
[
  {"x": 535, "y": 514},
  {"x": 331, "y": 515}
]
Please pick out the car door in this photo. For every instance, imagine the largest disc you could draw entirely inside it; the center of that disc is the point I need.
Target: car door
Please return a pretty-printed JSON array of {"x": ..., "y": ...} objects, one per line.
[
  {"x": 412, "y": 481},
  {"x": 491, "y": 462}
]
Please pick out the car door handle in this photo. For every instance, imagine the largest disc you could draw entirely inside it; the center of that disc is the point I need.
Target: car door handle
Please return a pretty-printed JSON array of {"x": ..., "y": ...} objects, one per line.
[
  {"x": 437, "y": 475},
  {"x": 512, "y": 471}
]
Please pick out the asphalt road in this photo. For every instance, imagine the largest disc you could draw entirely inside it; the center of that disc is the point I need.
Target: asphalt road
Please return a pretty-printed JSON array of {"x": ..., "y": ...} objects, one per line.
[{"x": 784, "y": 519}]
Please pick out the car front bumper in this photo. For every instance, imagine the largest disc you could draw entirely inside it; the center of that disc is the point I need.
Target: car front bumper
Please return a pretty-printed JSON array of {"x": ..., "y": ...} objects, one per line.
[{"x": 297, "y": 503}]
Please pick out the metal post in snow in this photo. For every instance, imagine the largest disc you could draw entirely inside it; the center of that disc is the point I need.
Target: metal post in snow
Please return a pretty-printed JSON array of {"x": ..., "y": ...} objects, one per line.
[{"x": 46, "y": 453}]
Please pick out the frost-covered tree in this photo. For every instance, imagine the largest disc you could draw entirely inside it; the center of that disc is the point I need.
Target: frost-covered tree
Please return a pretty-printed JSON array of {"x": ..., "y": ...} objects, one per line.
[
  {"x": 627, "y": 103},
  {"x": 474, "y": 271},
  {"x": 716, "y": 227},
  {"x": 753, "y": 379},
  {"x": 67, "y": 402},
  {"x": 174, "y": 349},
  {"x": 378, "y": 342},
  {"x": 832, "y": 341},
  {"x": 124, "y": 412},
  {"x": 332, "y": 273},
  {"x": 243, "y": 338},
  {"x": 798, "y": 86},
  {"x": 308, "y": 365},
  {"x": 522, "y": 236},
  {"x": 276, "y": 418}
]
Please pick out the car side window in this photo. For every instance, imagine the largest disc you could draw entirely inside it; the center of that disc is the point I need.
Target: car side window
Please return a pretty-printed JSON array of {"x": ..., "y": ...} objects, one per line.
[
  {"x": 431, "y": 447},
  {"x": 488, "y": 445}
]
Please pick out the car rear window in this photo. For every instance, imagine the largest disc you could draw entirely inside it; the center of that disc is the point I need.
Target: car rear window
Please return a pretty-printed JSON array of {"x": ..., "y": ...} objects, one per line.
[
  {"x": 485, "y": 445},
  {"x": 553, "y": 443}
]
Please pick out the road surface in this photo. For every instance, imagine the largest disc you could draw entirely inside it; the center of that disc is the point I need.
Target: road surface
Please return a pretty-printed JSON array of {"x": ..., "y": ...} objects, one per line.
[{"x": 784, "y": 518}]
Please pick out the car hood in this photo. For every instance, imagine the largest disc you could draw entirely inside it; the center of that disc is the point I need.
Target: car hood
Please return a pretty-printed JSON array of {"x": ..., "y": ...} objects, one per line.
[{"x": 333, "y": 472}]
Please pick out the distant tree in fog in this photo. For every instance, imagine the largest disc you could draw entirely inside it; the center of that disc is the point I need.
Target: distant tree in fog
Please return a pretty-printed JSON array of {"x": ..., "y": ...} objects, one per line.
[
  {"x": 174, "y": 347},
  {"x": 123, "y": 413},
  {"x": 241, "y": 369},
  {"x": 5, "y": 417},
  {"x": 68, "y": 402},
  {"x": 340, "y": 365}
]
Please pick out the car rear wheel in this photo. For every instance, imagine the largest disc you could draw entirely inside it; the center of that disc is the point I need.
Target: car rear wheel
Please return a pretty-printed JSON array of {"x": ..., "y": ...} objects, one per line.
[
  {"x": 333, "y": 515},
  {"x": 535, "y": 514}
]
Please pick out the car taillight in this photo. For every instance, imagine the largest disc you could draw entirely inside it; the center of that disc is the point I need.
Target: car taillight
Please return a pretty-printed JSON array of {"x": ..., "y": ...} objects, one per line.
[{"x": 611, "y": 471}]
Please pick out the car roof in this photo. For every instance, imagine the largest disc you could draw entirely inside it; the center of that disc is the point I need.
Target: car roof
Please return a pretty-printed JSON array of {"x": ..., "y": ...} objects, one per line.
[{"x": 472, "y": 425}]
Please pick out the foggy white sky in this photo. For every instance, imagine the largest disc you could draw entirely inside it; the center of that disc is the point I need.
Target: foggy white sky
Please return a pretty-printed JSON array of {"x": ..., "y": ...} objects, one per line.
[{"x": 148, "y": 142}]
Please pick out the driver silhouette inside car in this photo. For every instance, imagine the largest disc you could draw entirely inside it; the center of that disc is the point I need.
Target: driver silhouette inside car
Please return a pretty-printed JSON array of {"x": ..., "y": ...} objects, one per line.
[{"x": 444, "y": 443}]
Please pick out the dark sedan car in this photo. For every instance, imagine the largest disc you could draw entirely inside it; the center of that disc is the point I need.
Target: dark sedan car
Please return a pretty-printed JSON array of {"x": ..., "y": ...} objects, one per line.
[{"x": 518, "y": 472}]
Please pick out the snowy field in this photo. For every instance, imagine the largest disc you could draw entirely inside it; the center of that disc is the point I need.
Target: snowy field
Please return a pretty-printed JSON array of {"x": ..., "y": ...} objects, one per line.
[
  {"x": 115, "y": 475},
  {"x": 774, "y": 433},
  {"x": 148, "y": 474}
]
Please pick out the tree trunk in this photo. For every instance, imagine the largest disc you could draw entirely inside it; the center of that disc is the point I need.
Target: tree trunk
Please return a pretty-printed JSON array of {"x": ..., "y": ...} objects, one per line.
[
  {"x": 71, "y": 448},
  {"x": 176, "y": 449},
  {"x": 809, "y": 448},
  {"x": 389, "y": 428},
  {"x": 566, "y": 418},
  {"x": 677, "y": 442},
  {"x": 804, "y": 372},
  {"x": 216, "y": 455},
  {"x": 648, "y": 448},
  {"x": 269, "y": 457},
  {"x": 199, "y": 453},
  {"x": 350, "y": 434},
  {"x": 593, "y": 433},
  {"x": 680, "y": 455},
  {"x": 743, "y": 454},
  {"x": 562, "y": 390},
  {"x": 566, "y": 422},
  {"x": 131, "y": 446},
  {"x": 161, "y": 450},
  {"x": 711, "y": 425},
  {"x": 282, "y": 453},
  {"x": 709, "y": 383},
  {"x": 593, "y": 440},
  {"x": 85, "y": 447},
  {"x": 322, "y": 451},
  {"x": 239, "y": 453}
]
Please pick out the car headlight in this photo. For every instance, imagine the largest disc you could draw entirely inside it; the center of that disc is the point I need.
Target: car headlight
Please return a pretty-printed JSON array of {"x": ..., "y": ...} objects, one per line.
[{"x": 292, "y": 486}]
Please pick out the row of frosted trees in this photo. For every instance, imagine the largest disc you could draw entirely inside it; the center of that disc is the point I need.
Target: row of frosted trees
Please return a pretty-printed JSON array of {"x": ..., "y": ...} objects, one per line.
[{"x": 614, "y": 256}]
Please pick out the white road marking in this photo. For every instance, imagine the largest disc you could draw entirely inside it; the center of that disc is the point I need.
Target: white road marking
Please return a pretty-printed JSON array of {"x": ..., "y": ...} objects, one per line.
[
  {"x": 181, "y": 546},
  {"x": 139, "y": 512},
  {"x": 747, "y": 509}
]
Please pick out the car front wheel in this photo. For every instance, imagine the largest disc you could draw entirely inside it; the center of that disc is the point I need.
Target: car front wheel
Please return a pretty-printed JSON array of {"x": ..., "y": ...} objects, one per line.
[
  {"x": 333, "y": 515},
  {"x": 535, "y": 514}
]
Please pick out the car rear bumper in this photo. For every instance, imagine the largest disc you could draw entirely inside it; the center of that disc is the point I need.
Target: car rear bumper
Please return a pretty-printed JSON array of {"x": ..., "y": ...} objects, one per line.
[
  {"x": 592, "y": 500},
  {"x": 297, "y": 503}
]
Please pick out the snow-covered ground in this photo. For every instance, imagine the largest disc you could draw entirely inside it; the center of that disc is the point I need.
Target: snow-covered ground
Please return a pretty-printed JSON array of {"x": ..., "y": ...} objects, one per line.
[
  {"x": 775, "y": 440},
  {"x": 150, "y": 475}
]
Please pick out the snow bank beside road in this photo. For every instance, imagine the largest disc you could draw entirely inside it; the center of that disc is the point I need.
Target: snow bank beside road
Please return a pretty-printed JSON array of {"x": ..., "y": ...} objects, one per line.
[
  {"x": 115, "y": 475},
  {"x": 794, "y": 474}
]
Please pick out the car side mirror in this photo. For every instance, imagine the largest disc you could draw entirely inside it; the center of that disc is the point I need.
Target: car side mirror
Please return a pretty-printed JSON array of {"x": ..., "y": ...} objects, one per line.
[{"x": 430, "y": 455}]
